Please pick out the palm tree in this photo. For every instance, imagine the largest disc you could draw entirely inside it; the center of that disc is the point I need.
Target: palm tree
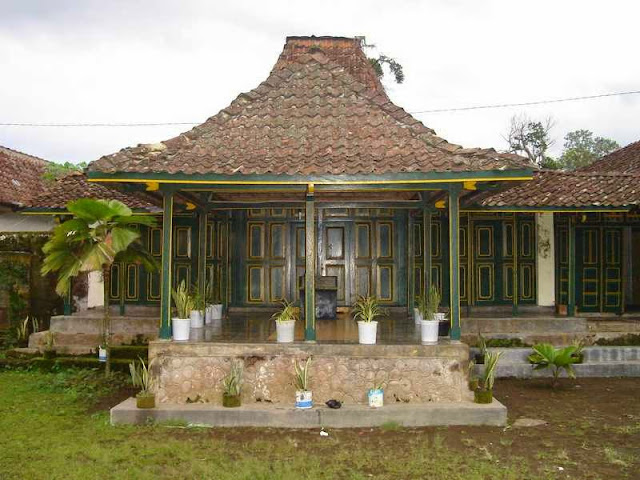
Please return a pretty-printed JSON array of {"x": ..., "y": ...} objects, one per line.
[{"x": 100, "y": 233}]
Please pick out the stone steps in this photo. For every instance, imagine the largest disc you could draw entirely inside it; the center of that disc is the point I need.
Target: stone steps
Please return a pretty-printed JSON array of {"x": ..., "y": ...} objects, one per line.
[{"x": 349, "y": 416}]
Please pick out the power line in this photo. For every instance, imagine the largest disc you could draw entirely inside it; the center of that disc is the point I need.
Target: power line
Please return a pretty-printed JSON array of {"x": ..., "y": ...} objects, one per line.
[
  {"x": 525, "y": 104},
  {"x": 438, "y": 110}
]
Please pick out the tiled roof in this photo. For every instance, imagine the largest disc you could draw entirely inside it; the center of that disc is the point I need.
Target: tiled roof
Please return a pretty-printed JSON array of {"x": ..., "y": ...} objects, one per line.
[
  {"x": 321, "y": 111},
  {"x": 75, "y": 185},
  {"x": 552, "y": 188},
  {"x": 623, "y": 160},
  {"x": 20, "y": 176}
]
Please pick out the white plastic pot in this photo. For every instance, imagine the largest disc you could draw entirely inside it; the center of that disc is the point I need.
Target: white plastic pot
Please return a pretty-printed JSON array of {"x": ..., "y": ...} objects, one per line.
[
  {"x": 417, "y": 317},
  {"x": 441, "y": 317},
  {"x": 180, "y": 328},
  {"x": 197, "y": 320},
  {"x": 102, "y": 354},
  {"x": 367, "y": 332},
  {"x": 304, "y": 399},
  {"x": 208, "y": 314},
  {"x": 216, "y": 311},
  {"x": 375, "y": 396},
  {"x": 285, "y": 330},
  {"x": 429, "y": 331}
]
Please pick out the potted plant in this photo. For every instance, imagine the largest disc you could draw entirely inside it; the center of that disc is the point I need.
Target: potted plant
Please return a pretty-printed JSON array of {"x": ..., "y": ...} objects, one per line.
[
  {"x": 141, "y": 378},
  {"x": 102, "y": 349},
  {"x": 429, "y": 325},
  {"x": 181, "y": 324},
  {"x": 285, "y": 322},
  {"x": 365, "y": 312},
  {"x": 473, "y": 379},
  {"x": 421, "y": 305},
  {"x": 483, "y": 393},
  {"x": 49, "y": 350},
  {"x": 196, "y": 315},
  {"x": 482, "y": 346},
  {"x": 304, "y": 397},
  {"x": 214, "y": 307},
  {"x": 232, "y": 386},
  {"x": 375, "y": 395}
]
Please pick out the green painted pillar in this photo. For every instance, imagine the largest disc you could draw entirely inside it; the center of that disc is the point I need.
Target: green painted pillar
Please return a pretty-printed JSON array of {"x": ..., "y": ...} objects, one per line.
[
  {"x": 514, "y": 251},
  {"x": 165, "y": 273},
  {"x": 571, "y": 281},
  {"x": 310, "y": 269},
  {"x": 122, "y": 284},
  {"x": 67, "y": 300},
  {"x": 426, "y": 249},
  {"x": 202, "y": 251},
  {"x": 454, "y": 260},
  {"x": 411, "y": 258}
]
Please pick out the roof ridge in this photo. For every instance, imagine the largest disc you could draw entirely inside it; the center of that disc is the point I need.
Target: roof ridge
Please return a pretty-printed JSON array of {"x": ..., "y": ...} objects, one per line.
[{"x": 28, "y": 155}]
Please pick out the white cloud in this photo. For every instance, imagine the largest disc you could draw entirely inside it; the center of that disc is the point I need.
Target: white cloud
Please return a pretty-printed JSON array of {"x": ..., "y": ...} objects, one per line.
[{"x": 129, "y": 61}]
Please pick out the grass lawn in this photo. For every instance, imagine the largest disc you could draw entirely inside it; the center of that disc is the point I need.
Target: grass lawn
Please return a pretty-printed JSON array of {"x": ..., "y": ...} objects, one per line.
[{"x": 55, "y": 426}]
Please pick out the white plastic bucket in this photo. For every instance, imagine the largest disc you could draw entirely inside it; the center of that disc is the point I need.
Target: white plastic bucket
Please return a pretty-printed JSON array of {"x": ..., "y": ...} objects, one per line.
[
  {"x": 102, "y": 354},
  {"x": 304, "y": 399},
  {"x": 216, "y": 311},
  {"x": 285, "y": 331},
  {"x": 208, "y": 314},
  {"x": 180, "y": 328},
  {"x": 375, "y": 396},
  {"x": 429, "y": 331},
  {"x": 197, "y": 320},
  {"x": 367, "y": 332},
  {"x": 417, "y": 317}
]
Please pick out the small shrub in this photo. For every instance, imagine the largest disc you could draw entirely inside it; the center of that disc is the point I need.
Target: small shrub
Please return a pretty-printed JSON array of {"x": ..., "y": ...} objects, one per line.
[{"x": 546, "y": 355}]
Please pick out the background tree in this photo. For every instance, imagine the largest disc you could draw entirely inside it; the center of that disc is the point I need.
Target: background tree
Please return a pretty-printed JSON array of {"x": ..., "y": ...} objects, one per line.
[
  {"x": 531, "y": 139},
  {"x": 100, "y": 233},
  {"x": 581, "y": 148}
]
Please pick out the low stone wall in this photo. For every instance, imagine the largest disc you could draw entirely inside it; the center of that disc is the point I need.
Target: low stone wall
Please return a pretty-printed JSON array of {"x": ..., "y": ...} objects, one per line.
[{"x": 411, "y": 373}]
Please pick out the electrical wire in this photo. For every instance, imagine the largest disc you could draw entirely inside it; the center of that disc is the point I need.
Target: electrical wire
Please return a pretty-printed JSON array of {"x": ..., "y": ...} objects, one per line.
[{"x": 437, "y": 110}]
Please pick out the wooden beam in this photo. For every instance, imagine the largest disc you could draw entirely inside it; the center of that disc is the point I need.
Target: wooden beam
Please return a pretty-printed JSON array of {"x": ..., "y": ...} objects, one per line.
[{"x": 202, "y": 251}]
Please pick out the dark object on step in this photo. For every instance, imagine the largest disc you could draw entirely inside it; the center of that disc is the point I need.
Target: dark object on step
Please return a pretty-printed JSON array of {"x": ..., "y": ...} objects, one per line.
[{"x": 333, "y": 403}]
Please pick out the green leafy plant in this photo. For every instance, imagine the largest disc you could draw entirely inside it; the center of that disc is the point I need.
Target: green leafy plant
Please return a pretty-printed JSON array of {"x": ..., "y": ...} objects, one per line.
[
  {"x": 367, "y": 309},
  {"x": 211, "y": 294},
  {"x": 546, "y": 355},
  {"x": 578, "y": 354},
  {"x": 487, "y": 377},
  {"x": 421, "y": 304},
  {"x": 301, "y": 375},
  {"x": 22, "y": 331},
  {"x": 183, "y": 300},
  {"x": 99, "y": 234},
  {"x": 232, "y": 382},
  {"x": 197, "y": 300},
  {"x": 287, "y": 313},
  {"x": 433, "y": 300},
  {"x": 141, "y": 376}
]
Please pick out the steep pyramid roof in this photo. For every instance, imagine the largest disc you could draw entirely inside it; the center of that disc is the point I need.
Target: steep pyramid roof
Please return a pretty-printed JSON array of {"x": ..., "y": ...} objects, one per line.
[{"x": 322, "y": 110}]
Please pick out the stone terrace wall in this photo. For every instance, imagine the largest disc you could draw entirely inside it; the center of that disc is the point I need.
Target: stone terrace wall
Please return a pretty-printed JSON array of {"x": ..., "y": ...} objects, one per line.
[{"x": 412, "y": 373}]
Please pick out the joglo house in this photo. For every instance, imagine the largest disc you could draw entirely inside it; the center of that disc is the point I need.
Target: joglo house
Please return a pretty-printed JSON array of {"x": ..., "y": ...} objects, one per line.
[{"x": 316, "y": 180}]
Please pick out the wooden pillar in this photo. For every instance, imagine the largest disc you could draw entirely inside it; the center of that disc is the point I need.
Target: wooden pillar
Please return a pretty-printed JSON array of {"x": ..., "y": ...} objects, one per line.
[
  {"x": 426, "y": 249},
  {"x": 571, "y": 281},
  {"x": 202, "y": 251},
  {"x": 514, "y": 252},
  {"x": 226, "y": 271},
  {"x": 454, "y": 260},
  {"x": 310, "y": 269},
  {"x": 411, "y": 258},
  {"x": 165, "y": 273}
]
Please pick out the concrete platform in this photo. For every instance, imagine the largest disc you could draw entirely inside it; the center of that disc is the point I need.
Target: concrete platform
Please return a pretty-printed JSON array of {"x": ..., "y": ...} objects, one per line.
[{"x": 349, "y": 416}]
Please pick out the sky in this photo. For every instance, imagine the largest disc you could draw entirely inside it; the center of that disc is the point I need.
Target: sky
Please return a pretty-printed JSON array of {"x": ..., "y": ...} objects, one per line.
[{"x": 127, "y": 61}]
